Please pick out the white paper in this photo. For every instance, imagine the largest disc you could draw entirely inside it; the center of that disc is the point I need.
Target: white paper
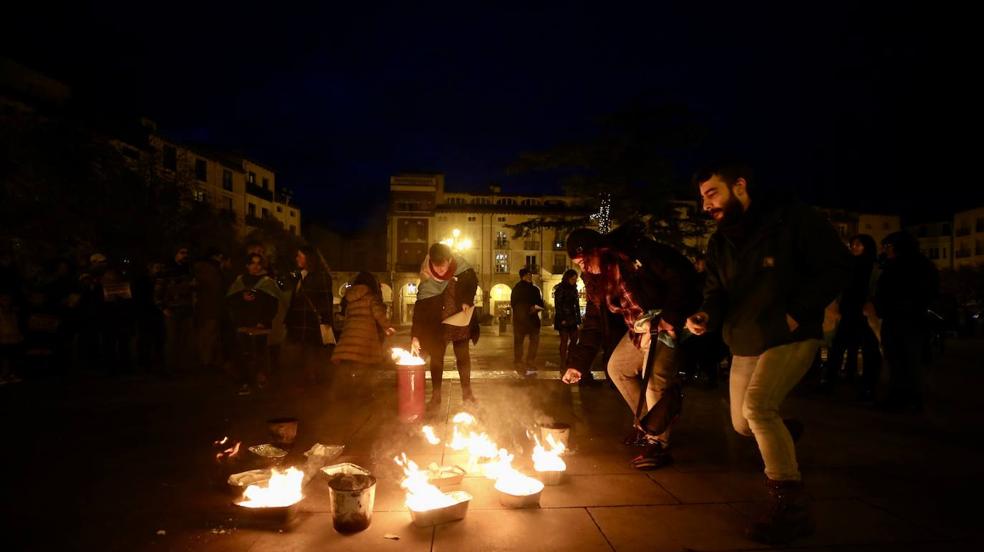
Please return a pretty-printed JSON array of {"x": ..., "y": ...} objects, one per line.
[{"x": 463, "y": 318}]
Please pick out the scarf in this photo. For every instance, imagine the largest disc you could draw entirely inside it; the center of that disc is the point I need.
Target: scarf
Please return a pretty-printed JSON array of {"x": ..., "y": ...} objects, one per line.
[{"x": 431, "y": 284}]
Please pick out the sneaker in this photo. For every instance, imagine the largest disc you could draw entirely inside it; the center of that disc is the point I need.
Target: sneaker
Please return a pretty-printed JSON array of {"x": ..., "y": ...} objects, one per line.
[
  {"x": 656, "y": 455},
  {"x": 637, "y": 438},
  {"x": 244, "y": 390}
]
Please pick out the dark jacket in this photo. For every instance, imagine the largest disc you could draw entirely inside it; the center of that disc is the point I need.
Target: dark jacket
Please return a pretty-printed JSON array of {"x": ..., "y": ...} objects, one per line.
[
  {"x": 311, "y": 305},
  {"x": 252, "y": 301},
  {"x": 656, "y": 277},
  {"x": 906, "y": 288},
  {"x": 174, "y": 289},
  {"x": 781, "y": 259},
  {"x": 365, "y": 315},
  {"x": 430, "y": 312},
  {"x": 524, "y": 296},
  {"x": 567, "y": 307},
  {"x": 210, "y": 289}
]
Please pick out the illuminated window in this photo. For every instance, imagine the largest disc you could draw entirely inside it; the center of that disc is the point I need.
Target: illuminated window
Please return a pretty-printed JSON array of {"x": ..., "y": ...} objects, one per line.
[{"x": 501, "y": 262}]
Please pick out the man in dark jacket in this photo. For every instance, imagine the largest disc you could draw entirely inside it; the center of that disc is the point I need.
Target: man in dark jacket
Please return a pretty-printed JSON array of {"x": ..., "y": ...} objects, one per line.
[
  {"x": 631, "y": 275},
  {"x": 526, "y": 302},
  {"x": 772, "y": 267},
  {"x": 174, "y": 296}
]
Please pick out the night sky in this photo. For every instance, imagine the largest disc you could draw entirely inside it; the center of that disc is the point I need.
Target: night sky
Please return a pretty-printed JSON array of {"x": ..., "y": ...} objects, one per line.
[{"x": 861, "y": 107}]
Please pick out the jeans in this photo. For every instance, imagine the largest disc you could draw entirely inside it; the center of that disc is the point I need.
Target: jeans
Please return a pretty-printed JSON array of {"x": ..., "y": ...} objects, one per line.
[
  {"x": 758, "y": 386},
  {"x": 625, "y": 368}
]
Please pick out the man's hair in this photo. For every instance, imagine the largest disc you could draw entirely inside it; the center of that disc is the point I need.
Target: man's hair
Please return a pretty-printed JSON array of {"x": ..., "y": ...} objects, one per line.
[
  {"x": 251, "y": 256},
  {"x": 523, "y": 272},
  {"x": 728, "y": 170},
  {"x": 568, "y": 273},
  {"x": 439, "y": 253}
]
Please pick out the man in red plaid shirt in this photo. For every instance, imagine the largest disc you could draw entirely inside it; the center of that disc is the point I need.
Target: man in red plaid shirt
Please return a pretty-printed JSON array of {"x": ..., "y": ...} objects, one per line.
[{"x": 629, "y": 274}]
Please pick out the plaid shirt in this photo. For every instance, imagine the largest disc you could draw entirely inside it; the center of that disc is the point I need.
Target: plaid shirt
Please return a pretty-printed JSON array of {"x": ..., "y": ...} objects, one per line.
[{"x": 621, "y": 300}]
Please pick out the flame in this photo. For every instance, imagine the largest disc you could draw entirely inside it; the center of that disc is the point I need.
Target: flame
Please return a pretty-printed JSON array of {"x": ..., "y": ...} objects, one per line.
[
  {"x": 478, "y": 445},
  {"x": 463, "y": 418},
  {"x": 548, "y": 460},
  {"x": 404, "y": 357},
  {"x": 431, "y": 437},
  {"x": 509, "y": 480},
  {"x": 283, "y": 489},
  {"x": 421, "y": 495}
]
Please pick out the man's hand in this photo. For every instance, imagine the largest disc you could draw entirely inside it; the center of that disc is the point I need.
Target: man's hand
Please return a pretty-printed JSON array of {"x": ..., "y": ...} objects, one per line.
[
  {"x": 571, "y": 376},
  {"x": 697, "y": 324},
  {"x": 390, "y": 331},
  {"x": 792, "y": 323},
  {"x": 665, "y": 326},
  {"x": 415, "y": 347}
]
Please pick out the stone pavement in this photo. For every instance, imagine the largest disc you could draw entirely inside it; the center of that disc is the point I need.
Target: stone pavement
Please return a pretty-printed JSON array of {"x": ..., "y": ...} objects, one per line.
[{"x": 124, "y": 464}]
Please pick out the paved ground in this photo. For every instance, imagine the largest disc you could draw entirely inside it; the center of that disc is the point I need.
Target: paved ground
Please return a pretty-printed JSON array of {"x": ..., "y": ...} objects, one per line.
[{"x": 95, "y": 464}]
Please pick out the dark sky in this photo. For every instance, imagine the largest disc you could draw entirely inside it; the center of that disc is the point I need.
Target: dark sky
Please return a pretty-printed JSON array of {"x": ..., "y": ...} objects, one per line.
[{"x": 865, "y": 107}]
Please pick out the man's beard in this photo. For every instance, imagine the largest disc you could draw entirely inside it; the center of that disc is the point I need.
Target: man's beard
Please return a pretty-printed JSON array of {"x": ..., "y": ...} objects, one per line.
[{"x": 731, "y": 212}]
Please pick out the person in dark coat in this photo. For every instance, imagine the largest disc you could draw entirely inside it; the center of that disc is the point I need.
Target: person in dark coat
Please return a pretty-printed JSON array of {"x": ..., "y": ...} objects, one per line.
[
  {"x": 633, "y": 276},
  {"x": 773, "y": 266},
  {"x": 567, "y": 312},
  {"x": 174, "y": 296},
  {"x": 527, "y": 303},
  {"x": 445, "y": 312},
  {"x": 908, "y": 284},
  {"x": 853, "y": 331},
  {"x": 365, "y": 324},
  {"x": 252, "y": 301},
  {"x": 210, "y": 288},
  {"x": 311, "y": 306}
]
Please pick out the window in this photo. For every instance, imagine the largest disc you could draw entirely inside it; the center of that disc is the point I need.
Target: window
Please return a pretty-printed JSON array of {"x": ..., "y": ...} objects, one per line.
[
  {"x": 501, "y": 262},
  {"x": 201, "y": 170},
  {"x": 170, "y": 158},
  {"x": 560, "y": 263},
  {"x": 531, "y": 245},
  {"x": 198, "y": 195},
  {"x": 251, "y": 177},
  {"x": 266, "y": 183},
  {"x": 501, "y": 219},
  {"x": 251, "y": 210},
  {"x": 226, "y": 180},
  {"x": 292, "y": 212},
  {"x": 265, "y": 213},
  {"x": 501, "y": 240},
  {"x": 531, "y": 263},
  {"x": 280, "y": 209},
  {"x": 471, "y": 219},
  {"x": 886, "y": 225}
]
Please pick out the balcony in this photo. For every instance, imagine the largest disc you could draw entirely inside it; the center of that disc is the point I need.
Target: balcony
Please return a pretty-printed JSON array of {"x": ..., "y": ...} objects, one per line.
[
  {"x": 259, "y": 192},
  {"x": 531, "y": 245},
  {"x": 502, "y": 244}
]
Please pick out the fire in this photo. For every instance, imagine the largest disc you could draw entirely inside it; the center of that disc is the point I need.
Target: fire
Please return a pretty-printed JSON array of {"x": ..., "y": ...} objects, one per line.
[
  {"x": 406, "y": 358},
  {"x": 463, "y": 418},
  {"x": 421, "y": 495},
  {"x": 431, "y": 437},
  {"x": 283, "y": 489},
  {"x": 478, "y": 445},
  {"x": 548, "y": 460}
]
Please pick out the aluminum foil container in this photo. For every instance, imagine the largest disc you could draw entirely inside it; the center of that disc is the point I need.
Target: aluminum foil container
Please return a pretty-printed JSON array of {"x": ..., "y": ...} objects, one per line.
[
  {"x": 551, "y": 477},
  {"x": 244, "y": 479},
  {"x": 454, "y": 512},
  {"x": 268, "y": 451},
  {"x": 443, "y": 477}
]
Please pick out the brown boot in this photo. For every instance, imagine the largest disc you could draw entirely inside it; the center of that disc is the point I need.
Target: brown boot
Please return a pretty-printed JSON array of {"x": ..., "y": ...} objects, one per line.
[{"x": 788, "y": 517}]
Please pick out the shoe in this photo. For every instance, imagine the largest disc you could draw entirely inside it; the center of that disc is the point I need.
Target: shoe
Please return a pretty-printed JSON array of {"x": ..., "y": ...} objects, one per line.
[
  {"x": 788, "y": 516},
  {"x": 435, "y": 401},
  {"x": 530, "y": 373},
  {"x": 468, "y": 397},
  {"x": 795, "y": 428},
  {"x": 244, "y": 390},
  {"x": 656, "y": 455},
  {"x": 637, "y": 438}
]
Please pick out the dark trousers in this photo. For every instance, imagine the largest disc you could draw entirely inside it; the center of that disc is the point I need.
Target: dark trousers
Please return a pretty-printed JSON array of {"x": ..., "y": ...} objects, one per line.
[
  {"x": 178, "y": 335},
  {"x": 253, "y": 356},
  {"x": 462, "y": 358},
  {"x": 568, "y": 338},
  {"x": 854, "y": 334},
  {"x": 207, "y": 336},
  {"x": 518, "y": 337},
  {"x": 902, "y": 341}
]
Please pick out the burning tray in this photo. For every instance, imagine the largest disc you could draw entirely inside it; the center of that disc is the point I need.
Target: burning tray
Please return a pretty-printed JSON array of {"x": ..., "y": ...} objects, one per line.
[
  {"x": 454, "y": 512},
  {"x": 510, "y": 500},
  {"x": 443, "y": 477},
  {"x": 551, "y": 477},
  {"x": 239, "y": 481},
  {"x": 269, "y": 517}
]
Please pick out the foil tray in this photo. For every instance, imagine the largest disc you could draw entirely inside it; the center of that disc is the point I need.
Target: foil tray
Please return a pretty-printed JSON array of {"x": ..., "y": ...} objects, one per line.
[
  {"x": 446, "y": 476},
  {"x": 454, "y": 512}
]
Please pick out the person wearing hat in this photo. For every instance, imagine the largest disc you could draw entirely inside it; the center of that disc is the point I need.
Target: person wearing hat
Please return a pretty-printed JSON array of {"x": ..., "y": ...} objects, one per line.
[{"x": 644, "y": 282}]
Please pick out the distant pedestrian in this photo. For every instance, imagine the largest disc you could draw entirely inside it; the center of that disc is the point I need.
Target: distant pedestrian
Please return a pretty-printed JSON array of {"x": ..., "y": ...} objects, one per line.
[
  {"x": 252, "y": 303},
  {"x": 174, "y": 296},
  {"x": 527, "y": 303},
  {"x": 567, "y": 312}
]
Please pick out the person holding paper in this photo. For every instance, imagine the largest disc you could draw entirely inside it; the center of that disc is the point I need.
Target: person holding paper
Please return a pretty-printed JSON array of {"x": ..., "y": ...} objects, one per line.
[{"x": 445, "y": 312}]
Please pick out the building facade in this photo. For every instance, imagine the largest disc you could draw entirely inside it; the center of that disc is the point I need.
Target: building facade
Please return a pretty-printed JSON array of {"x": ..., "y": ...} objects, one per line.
[
  {"x": 935, "y": 242},
  {"x": 477, "y": 227},
  {"x": 968, "y": 238}
]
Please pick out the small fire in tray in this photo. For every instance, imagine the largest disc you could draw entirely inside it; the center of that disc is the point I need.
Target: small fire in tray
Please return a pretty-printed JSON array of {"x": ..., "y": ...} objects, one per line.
[{"x": 282, "y": 490}]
